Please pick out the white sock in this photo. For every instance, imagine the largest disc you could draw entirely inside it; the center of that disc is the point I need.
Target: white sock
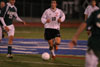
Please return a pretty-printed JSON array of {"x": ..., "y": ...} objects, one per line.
[{"x": 53, "y": 53}]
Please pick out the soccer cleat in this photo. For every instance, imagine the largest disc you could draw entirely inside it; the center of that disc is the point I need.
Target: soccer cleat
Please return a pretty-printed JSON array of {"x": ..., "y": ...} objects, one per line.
[
  {"x": 53, "y": 57},
  {"x": 55, "y": 47},
  {"x": 9, "y": 56}
]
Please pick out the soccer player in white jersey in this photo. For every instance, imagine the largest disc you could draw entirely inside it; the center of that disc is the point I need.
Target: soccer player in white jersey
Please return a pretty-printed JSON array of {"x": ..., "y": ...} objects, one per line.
[
  {"x": 88, "y": 11},
  {"x": 90, "y": 8},
  {"x": 52, "y": 18},
  {"x": 8, "y": 13}
]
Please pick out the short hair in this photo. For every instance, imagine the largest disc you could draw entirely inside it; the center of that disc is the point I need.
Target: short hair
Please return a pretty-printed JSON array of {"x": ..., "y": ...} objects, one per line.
[
  {"x": 53, "y": 0},
  {"x": 93, "y": 0},
  {"x": 1, "y": 1},
  {"x": 9, "y": 0}
]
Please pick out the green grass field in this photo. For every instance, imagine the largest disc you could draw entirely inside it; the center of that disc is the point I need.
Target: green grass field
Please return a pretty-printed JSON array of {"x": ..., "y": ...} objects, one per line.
[
  {"x": 38, "y": 33},
  {"x": 35, "y": 60}
]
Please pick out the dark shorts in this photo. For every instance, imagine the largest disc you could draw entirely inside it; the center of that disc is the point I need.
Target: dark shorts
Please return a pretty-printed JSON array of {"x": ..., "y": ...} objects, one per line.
[{"x": 51, "y": 34}]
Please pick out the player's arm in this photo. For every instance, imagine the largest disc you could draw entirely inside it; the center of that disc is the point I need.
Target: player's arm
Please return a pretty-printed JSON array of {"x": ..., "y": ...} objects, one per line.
[
  {"x": 4, "y": 25},
  {"x": 18, "y": 18},
  {"x": 3, "y": 10},
  {"x": 2, "y": 18},
  {"x": 44, "y": 18},
  {"x": 86, "y": 16},
  {"x": 90, "y": 21},
  {"x": 2, "y": 21},
  {"x": 86, "y": 13},
  {"x": 62, "y": 17},
  {"x": 88, "y": 32},
  {"x": 84, "y": 25},
  {"x": 77, "y": 34}
]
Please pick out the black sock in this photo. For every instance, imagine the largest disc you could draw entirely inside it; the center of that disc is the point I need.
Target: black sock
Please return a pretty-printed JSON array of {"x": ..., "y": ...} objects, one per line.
[
  {"x": 9, "y": 49},
  {"x": 50, "y": 48}
]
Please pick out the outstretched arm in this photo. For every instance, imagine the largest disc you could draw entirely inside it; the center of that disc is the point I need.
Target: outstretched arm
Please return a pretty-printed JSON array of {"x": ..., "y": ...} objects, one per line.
[
  {"x": 84, "y": 25},
  {"x": 18, "y": 18},
  {"x": 79, "y": 31}
]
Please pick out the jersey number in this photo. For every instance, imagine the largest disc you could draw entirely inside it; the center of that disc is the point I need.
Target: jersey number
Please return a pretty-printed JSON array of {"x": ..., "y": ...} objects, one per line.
[
  {"x": 53, "y": 18},
  {"x": 10, "y": 16}
]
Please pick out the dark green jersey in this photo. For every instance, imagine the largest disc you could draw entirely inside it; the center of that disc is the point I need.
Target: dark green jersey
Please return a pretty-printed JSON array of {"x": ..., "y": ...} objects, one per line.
[
  {"x": 8, "y": 12},
  {"x": 0, "y": 21},
  {"x": 94, "y": 22}
]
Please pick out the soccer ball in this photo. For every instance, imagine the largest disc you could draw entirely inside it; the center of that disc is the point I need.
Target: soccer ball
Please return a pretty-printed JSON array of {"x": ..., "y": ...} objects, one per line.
[{"x": 45, "y": 56}]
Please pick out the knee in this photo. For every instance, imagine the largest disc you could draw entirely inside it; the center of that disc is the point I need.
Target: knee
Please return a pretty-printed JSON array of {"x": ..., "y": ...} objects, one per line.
[
  {"x": 57, "y": 43},
  {"x": 11, "y": 38}
]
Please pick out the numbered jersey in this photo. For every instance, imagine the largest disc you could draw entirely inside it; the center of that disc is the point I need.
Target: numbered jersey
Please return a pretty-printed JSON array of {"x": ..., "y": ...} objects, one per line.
[
  {"x": 8, "y": 12},
  {"x": 94, "y": 22},
  {"x": 53, "y": 16}
]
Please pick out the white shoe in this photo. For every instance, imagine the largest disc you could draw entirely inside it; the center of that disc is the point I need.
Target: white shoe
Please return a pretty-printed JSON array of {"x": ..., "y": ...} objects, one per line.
[{"x": 9, "y": 56}]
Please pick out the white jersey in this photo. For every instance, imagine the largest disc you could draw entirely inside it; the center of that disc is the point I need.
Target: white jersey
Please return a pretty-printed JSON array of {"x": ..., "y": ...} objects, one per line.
[
  {"x": 90, "y": 9},
  {"x": 53, "y": 16}
]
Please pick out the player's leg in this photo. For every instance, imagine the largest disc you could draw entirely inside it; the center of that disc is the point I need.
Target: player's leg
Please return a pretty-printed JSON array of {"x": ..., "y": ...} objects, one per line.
[
  {"x": 10, "y": 42},
  {"x": 57, "y": 39},
  {"x": 57, "y": 42},
  {"x": 91, "y": 59},
  {"x": 11, "y": 37},
  {"x": 50, "y": 42},
  {"x": 0, "y": 33},
  {"x": 3, "y": 33},
  {"x": 49, "y": 37}
]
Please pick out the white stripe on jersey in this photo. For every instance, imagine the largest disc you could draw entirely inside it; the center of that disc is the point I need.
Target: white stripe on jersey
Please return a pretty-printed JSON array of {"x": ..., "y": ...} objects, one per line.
[
  {"x": 90, "y": 9},
  {"x": 53, "y": 16}
]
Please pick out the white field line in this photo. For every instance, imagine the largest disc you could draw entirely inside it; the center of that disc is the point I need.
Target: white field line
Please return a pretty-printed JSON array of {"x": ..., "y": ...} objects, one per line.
[
  {"x": 23, "y": 52},
  {"x": 43, "y": 63},
  {"x": 41, "y": 47}
]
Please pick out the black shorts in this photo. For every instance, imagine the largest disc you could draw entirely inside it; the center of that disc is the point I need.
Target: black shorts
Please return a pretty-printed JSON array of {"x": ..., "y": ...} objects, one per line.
[{"x": 51, "y": 33}]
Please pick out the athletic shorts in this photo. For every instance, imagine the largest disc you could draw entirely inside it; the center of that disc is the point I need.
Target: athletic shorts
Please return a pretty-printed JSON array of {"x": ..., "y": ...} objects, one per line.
[
  {"x": 11, "y": 31},
  {"x": 0, "y": 33},
  {"x": 51, "y": 34}
]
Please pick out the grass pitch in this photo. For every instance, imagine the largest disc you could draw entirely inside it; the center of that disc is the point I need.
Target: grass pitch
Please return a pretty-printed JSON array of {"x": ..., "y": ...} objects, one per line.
[
  {"x": 36, "y": 61},
  {"x": 38, "y": 33}
]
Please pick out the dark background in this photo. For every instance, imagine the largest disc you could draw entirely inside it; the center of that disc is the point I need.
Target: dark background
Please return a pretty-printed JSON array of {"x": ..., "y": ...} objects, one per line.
[{"x": 35, "y": 8}]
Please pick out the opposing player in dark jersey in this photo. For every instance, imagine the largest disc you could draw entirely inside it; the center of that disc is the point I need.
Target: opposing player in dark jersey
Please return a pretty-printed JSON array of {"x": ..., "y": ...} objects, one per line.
[
  {"x": 2, "y": 4},
  {"x": 93, "y": 52},
  {"x": 8, "y": 13}
]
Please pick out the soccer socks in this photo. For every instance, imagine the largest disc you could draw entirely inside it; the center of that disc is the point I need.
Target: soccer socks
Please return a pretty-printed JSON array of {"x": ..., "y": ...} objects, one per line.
[
  {"x": 10, "y": 49},
  {"x": 53, "y": 53}
]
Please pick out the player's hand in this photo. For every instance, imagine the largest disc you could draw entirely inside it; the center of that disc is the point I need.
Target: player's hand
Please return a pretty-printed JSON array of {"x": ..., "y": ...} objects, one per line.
[
  {"x": 24, "y": 23},
  {"x": 59, "y": 20},
  {"x": 89, "y": 32},
  {"x": 48, "y": 21},
  {"x": 73, "y": 42},
  {"x": 6, "y": 28}
]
